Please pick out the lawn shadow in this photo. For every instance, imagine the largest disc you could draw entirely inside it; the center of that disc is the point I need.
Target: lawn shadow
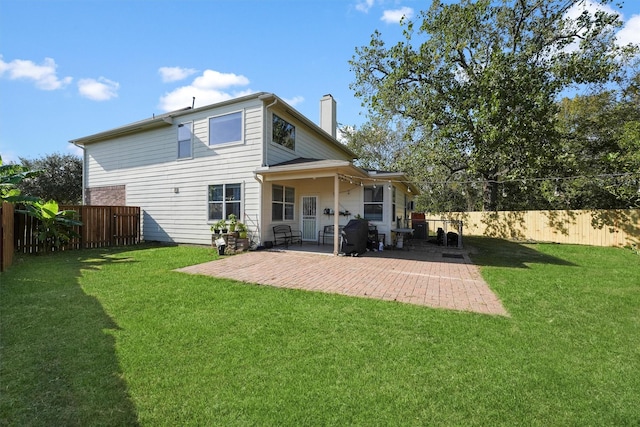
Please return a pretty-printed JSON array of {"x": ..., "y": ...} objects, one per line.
[
  {"x": 488, "y": 251},
  {"x": 59, "y": 361}
]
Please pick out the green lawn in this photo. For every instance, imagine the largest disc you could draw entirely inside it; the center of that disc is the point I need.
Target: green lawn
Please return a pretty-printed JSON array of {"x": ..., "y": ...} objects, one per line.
[{"x": 115, "y": 337}]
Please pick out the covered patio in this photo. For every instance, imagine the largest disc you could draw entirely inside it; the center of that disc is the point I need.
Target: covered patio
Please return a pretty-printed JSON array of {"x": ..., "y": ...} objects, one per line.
[{"x": 330, "y": 193}]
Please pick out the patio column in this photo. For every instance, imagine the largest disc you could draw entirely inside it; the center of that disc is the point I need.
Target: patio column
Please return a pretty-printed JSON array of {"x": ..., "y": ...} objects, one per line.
[{"x": 336, "y": 216}]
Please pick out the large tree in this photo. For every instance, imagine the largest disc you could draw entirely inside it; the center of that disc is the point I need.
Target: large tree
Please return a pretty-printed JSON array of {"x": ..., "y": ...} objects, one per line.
[
  {"x": 601, "y": 136},
  {"x": 378, "y": 145},
  {"x": 476, "y": 85},
  {"x": 60, "y": 180}
]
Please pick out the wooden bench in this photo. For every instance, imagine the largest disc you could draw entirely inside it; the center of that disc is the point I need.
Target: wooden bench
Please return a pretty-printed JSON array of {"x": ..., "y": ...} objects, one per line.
[
  {"x": 327, "y": 231},
  {"x": 282, "y": 234}
]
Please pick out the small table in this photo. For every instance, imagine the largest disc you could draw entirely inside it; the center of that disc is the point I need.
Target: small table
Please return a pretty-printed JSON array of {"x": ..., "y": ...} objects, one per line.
[{"x": 402, "y": 232}]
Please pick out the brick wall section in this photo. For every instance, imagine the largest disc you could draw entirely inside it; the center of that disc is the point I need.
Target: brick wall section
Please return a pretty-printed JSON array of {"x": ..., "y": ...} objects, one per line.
[{"x": 115, "y": 195}]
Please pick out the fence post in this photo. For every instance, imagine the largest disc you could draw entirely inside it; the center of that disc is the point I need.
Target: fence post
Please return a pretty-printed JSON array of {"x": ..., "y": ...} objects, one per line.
[{"x": 6, "y": 235}]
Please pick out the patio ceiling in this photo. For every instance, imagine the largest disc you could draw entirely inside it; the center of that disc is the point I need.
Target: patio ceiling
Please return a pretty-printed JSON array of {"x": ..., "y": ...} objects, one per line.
[{"x": 310, "y": 168}]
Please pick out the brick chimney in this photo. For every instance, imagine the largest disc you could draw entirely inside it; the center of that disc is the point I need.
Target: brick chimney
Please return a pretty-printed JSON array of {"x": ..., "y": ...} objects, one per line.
[{"x": 328, "y": 115}]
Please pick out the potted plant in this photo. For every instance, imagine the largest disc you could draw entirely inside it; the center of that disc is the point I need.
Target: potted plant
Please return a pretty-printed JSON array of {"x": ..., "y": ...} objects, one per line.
[
  {"x": 242, "y": 230},
  {"x": 232, "y": 223},
  {"x": 219, "y": 227}
]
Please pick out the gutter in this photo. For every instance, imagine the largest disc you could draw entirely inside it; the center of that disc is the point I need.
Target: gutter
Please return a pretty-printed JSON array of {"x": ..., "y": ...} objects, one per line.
[
  {"x": 265, "y": 152},
  {"x": 84, "y": 168}
]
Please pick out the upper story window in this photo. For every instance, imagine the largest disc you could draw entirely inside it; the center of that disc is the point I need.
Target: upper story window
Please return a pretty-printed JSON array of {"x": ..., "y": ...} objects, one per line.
[
  {"x": 373, "y": 202},
  {"x": 282, "y": 203},
  {"x": 184, "y": 141},
  {"x": 224, "y": 200},
  {"x": 283, "y": 133},
  {"x": 225, "y": 129}
]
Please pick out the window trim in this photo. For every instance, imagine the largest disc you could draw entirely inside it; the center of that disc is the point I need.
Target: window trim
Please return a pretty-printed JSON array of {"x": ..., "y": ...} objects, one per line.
[
  {"x": 225, "y": 214},
  {"x": 275, "y": 116},
  {"x": 381, "y": 203},
  {"x": 284, "y": 203},
  {"x": 190, "y": 156},
  {"x": 227, "y": 143}
]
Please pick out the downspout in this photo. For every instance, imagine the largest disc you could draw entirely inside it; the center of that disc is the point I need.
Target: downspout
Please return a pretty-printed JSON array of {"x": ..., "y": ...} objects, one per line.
[
  {"x": 84, "y": 159},
  {"x": 265, "y": 152},
  {"x": 265, "y": 159}
]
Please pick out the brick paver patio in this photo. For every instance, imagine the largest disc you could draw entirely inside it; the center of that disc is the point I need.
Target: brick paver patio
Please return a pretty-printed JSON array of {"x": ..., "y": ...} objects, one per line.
[{"x": 414, "y": 277}]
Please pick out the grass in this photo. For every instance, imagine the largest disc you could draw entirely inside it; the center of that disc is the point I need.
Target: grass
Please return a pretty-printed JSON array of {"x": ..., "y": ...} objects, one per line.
[{"x": 115, "y": 337}]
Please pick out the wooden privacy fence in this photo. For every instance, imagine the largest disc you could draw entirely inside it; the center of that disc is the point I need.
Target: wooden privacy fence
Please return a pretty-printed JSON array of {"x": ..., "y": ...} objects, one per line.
[
  {"x": 583, "y": 227},
  {"x": 101, "y": 226},
  {"x": 6, "y": 235}
]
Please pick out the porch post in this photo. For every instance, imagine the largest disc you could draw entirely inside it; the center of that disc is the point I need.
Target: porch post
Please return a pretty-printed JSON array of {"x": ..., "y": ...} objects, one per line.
[{"x": 336, "y": 216}]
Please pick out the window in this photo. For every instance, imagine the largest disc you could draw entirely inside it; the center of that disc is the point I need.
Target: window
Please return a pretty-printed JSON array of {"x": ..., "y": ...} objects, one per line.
[
  {"x": 225, "y": 129},
  {"x": 373, "y": 202},
  {"x": 393, "y": 204},
  {"x": 184, "y": 140},
  {"x": 224, "y": 200},
  {"x": 283, "y": 133},
  {"x": 282, "y": 203}
]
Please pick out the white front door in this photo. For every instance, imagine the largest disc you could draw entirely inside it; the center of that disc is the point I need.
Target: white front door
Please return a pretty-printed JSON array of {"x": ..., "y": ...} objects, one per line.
[{"x": 309, "y": 218}]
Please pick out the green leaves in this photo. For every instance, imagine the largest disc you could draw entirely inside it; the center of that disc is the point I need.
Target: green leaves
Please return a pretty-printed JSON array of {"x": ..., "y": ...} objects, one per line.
[
  {"x": 60, "y": 178},
  {"x": 477, "y": 86},
  {"x": 10, "y": 176},
  {"x": 55, "y": 228}
]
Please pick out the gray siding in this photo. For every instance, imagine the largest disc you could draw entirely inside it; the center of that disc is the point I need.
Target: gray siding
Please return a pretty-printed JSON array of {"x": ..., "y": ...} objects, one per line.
[{"x": 173, "y": 194}]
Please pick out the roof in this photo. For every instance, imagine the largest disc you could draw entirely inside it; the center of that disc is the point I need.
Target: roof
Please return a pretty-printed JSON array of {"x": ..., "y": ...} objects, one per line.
[
  {"x": 166, "y": 119},
  {"x": 304, "y": 168}
]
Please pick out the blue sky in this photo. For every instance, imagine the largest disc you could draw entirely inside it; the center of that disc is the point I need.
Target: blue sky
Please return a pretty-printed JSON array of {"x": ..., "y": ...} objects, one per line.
[{"x": 71, "y": 68}]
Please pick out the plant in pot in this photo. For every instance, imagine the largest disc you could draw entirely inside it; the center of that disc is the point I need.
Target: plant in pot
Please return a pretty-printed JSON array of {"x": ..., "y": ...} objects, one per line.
[
  {"x": 242, "y": 230},
  {"x": 233, "y": 221},
  {"x": 219, "y": 227}
]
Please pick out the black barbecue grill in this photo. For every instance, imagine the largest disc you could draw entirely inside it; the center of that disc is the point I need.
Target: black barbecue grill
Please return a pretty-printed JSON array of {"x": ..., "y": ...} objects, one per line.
[{"x": 354, "y": 237}]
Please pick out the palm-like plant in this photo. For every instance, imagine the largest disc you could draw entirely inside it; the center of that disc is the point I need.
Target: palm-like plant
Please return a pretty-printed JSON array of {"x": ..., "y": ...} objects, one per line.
[
  {"x": 10, "y": 176},
  {"x": 55, "y": 227}
]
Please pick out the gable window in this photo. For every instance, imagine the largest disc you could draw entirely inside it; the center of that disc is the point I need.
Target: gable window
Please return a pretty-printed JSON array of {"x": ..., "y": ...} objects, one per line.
[
  {"x": 283, "y": 133},
  {"x": 373, "y": 202},
  {"x": 184, "y": 140},
  {"x": 224, "y": 200},
  {"x": 225, "y": 129},
  {"x": 282, "y": 203}
]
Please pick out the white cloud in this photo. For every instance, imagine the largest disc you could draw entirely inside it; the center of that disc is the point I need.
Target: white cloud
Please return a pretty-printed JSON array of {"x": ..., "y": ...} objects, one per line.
[
  {"x": 592, "y": 7},
  {"x": 294, "y": 101},
  {"x": 341, "y": 135},
  {"x": 211, "y": 79},
  {"x": 208, "y": 88},
  {"x": 101, "y": 89},
  {"x": 394, "y": 16},
  {"x": 44, "y": 76},
  {"x": 630, "y": 32},
  {"x": 173, "y": 74},
  {"x": 364, "y": 5}
]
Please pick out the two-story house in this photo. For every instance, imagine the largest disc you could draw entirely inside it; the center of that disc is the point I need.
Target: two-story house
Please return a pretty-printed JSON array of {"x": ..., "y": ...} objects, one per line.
[{"x": 255, "y": 157}]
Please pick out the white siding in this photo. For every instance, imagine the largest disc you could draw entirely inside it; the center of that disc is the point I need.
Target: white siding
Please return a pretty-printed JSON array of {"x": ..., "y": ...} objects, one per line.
[
  {"x": 147, "y": 164},
  {"x": 309, "y": 144},
  {"x": 351, "y": 199}
]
